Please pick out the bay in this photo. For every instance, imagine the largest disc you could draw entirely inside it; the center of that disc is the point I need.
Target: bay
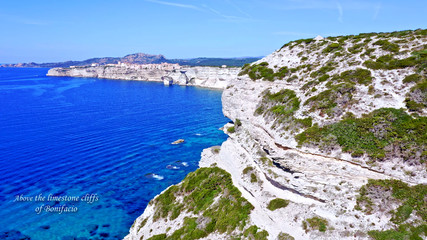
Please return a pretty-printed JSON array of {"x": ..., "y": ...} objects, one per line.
[{"x": 83, "y": 137}]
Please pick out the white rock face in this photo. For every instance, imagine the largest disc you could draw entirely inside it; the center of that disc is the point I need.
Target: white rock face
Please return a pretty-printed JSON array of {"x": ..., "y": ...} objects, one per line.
[
  {"x": 317, "y": 183},
  {"x": 318, "y": 38},
  {"x": 210, "y": 77}
]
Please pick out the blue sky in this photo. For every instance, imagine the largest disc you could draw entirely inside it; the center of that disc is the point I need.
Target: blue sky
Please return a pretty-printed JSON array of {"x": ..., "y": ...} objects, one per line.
[{"x": 44, "y": 31}]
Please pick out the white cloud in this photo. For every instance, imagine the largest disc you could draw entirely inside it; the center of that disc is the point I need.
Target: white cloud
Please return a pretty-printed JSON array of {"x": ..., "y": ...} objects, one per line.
[
  {"x": 298, "y": 34},
  {"x": 175, "y": 4},
  {"x": 377, "y": 11},
  {"x": 340, "y": 12},
  {"x": 228, "y": 18},
  {"x": 239, "y": 9},
  {"x": 319, "y": 4}
]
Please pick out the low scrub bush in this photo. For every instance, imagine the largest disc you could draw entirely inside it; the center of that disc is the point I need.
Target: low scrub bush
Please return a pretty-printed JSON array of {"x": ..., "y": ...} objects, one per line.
[
  {"x": 200, "y": 190},
  {"x": 413, "y": 78},
  {"x": 359, "y": 75},
  {"x": 277, "y": 203},
  {"x": 387, "y": 46},
  {"x": 382, "y": 132},
  {"x": 411, "y": 200},
  {"x": 231, "y": 129},
  {"x": 332, "y": 47},
  {"x": 327, "y": 100},
  {"x": 315, "y": 223}
]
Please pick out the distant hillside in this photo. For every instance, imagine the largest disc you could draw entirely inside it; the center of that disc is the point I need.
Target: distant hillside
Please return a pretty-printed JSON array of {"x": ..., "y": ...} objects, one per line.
[{"x": 142, "y": 58}]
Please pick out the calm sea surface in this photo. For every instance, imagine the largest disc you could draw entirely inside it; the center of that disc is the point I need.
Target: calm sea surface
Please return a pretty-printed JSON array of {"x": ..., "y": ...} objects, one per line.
[{"x": 101, "y": 145}]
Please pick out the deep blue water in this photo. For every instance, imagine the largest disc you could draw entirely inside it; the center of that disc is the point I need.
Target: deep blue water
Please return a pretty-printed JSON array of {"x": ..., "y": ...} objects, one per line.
[{"x": 77, "y": 136}]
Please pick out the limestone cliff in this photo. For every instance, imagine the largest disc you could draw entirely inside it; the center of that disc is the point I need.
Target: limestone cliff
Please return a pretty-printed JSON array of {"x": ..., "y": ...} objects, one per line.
[
  {"x": 211, "y": 77},
  {"x": 328, "y": 142}
]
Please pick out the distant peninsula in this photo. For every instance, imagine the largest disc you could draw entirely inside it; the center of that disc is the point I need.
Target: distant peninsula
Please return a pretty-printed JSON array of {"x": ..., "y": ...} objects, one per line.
[
  {"x": 168, "y": 73},
  {"x": 142, "y": 58}
]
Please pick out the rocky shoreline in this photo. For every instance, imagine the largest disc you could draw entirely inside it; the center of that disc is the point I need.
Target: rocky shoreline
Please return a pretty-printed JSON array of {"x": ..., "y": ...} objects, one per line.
[{"x": 208, "y": 77}]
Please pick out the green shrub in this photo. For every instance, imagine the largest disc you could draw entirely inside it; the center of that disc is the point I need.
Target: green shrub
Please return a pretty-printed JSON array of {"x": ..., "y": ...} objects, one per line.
[
  {"x": 238, "y": 122},
  {"x": 231, "y": 129},
  {"x": 387, "y": 46},
  {"x": 247, "y": 170},
  {"x": 421, "y": 32},
  {"x": 359, "y": 75},
  {"x": 293, "y": 44},
  {"x": 375, "y": 65},
  {"x": 417, "y": 96},
  {"x": 403, "y": 212},
  {"x": 356, "y": 48},
  {"x": 142, "y": 224},
  {"x": 253, "y": 233},
  {"x": 324, "y": 78},
  {"x": 158, "y": 237},
  {"x": 246, "y": 65},
  {"x": 306, "y": 40},
  {"x": 166, "y": 201},
  {"x": 371, "y": 90},
  {"x": 309, "y": 84},
  {"x": 284, "y": 236},
  {"x": 216, "y": 150},
  {"x": 316, "y": 223},
  {"x": 253, "y": 178},
  {"x": 285, "y": 102},
  {"x": 277, "y": 203},
  {"x": 332, "y": 47},
  {"x": 282, "y": 72},
  {"x": 357, "y": 153},
  {"x": 305, "y": 122},
  {"x": 259, "y": 110},
  {"x": 403, "y": 232},
  {"x": 323, "y": 70},
  {"x": 361, "y": 134},
  {"x": 200, "y": 189},
  {"x": 413, "y": 106},
  {"x": 415, "y": 78},
  {"x": 292, "y": 78},
  {"x": 258, "y": 71},
  {"x": 368, "y": 51},
  {"x": 327, "y": 100},
  {"x": 388, "y": 62},
  {"x": 410, "y": 200}
]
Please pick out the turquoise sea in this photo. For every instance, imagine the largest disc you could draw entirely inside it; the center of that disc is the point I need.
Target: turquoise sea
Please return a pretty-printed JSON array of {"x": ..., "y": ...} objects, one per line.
[{"x": 80, "y": 158}]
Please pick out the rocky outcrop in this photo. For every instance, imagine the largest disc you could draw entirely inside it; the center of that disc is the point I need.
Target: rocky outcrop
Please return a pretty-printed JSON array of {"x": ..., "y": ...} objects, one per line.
[
  {"x": 211, "y": 77},
  {"x": 325, "y": 144},
  {"x": 143, "y": 58}
]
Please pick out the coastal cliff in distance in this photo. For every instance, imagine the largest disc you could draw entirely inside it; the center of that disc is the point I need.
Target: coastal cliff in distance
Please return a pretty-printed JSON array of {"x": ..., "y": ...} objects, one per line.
[
  {"x": 141, "y": 58},
  {"x": 210, "y": 77},
  {"x": 328, "y": 141}
]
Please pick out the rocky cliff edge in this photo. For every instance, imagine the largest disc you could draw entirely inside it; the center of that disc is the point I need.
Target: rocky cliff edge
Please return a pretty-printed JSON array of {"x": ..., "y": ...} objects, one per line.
[
  {"x": 210, "y": 77},
  {"x": 328, "y": 142}
]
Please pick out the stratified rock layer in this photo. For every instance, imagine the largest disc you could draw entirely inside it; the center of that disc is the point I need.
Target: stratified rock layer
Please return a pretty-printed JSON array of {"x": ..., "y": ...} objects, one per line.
[{"x": 211, "y": 77}]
